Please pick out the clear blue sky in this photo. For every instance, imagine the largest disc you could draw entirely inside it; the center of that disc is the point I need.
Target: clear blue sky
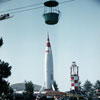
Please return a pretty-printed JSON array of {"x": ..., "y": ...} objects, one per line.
[{"x": 75, "y": 38}]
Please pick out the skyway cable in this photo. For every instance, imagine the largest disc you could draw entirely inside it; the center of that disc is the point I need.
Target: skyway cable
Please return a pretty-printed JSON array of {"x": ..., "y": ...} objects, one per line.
[{"x": 24, "y": 8}]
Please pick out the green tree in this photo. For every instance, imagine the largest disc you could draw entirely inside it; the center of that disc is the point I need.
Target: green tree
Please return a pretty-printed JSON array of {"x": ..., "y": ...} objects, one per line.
[
  {"x": 5, "y": 72},
  {"x": 29, "y": 91},
  {"x": 10, "y": 93},
  {"x": 97, "y": 84},
  {"x": 87, "y": 86},
  {"x": 55, "y": 86},
  {"x": 80, "y": 87},
  {"x": 88, "y": 89},
  {"x": 1, "y": 41}
]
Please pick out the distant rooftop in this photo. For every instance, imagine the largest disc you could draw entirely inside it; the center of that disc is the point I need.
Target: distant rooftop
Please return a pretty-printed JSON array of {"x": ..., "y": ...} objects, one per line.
[{"x": 21, "y": 87}]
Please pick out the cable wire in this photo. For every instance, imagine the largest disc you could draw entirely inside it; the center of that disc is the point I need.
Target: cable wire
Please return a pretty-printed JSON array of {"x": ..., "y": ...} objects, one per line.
[
  {"x": 66, "y": 1},
  {"x": 24, "y": 8},
  {"x": 18, "y": 8}
]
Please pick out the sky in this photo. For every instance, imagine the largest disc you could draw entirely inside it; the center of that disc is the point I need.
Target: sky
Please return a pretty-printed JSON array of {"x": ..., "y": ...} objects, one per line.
[{"x": 76, "y": 37}]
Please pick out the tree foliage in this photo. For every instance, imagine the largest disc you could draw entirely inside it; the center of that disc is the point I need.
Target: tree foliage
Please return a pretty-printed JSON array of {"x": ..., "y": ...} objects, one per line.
[
  {"x": 97, "y": 84},
  {"x": 29, "y": 91},
  {"x": 6, "y": 92},
  {"x": 87, "y": 86},
  {"x": 1, "y": 41},
  {"x": 5, "y": 70},
  {"x": 55, "y": 86}
]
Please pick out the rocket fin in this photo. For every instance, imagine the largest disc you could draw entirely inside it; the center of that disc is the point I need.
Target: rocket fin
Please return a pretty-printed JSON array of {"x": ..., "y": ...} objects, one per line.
[
  {"x": 53, "y": 88},
  {"x": 39, "y": 93}
]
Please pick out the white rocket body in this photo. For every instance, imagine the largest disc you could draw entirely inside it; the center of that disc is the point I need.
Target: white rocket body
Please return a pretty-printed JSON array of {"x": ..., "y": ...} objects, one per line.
[{"x": 48, "y": 66}]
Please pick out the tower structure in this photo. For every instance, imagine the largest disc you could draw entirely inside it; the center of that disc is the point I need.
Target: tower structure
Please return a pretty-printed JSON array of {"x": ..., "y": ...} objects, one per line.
[
  {"x": 74, "y": 77},
  {"x": 49, "y": 79}
]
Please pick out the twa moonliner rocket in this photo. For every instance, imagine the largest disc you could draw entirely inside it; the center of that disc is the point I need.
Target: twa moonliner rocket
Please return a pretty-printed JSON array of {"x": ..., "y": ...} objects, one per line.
[{"x": 48, "y": 66}]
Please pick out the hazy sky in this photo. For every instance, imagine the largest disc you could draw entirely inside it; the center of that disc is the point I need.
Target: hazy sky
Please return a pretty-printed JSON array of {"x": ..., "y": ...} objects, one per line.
[{"x": 75, "y": 38}]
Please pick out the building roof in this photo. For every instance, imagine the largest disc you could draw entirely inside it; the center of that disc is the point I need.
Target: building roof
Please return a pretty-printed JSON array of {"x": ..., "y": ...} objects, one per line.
[{"x": 21, "y": 87}]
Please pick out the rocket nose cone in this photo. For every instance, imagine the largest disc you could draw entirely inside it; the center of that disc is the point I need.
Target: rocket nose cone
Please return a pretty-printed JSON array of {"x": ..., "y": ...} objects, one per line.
[
  {"x": 48, "y": 44},
  {"x": 48, "y": 39}
]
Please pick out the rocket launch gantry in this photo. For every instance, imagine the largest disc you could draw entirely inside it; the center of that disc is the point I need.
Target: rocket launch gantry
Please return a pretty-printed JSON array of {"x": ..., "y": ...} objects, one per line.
[{"x": 74, "y": 76}]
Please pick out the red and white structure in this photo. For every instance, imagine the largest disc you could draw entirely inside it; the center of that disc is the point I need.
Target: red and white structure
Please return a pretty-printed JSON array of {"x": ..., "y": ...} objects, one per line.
[
  {"x": 48, "y": 89},
  {"x": 48, "y": 66},
  {"x": 74, "y": 76}
]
